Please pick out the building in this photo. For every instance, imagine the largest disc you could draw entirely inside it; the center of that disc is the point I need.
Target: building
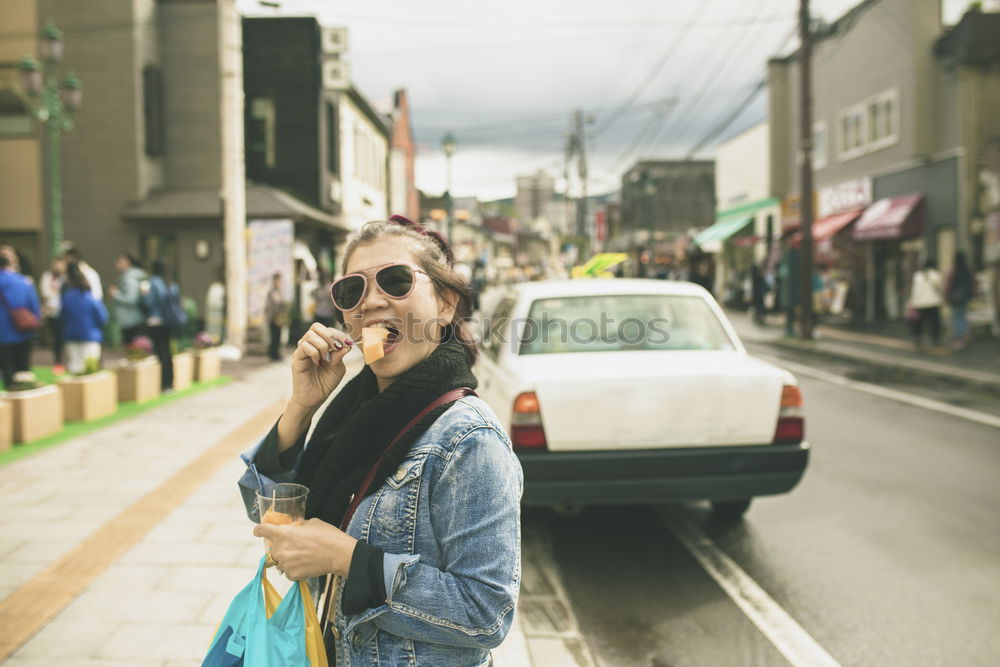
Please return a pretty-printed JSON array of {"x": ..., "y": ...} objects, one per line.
[
  {"x": 747, "y": 217},
  {"x": 661, "y": 202},
  {"x": 536, "y": 202},
  {"x": 900, "y": 113},
  {"x": 403, "y": 196},
  {"x": 315, "y": 139},
  {"x": 22, "y": 194}
]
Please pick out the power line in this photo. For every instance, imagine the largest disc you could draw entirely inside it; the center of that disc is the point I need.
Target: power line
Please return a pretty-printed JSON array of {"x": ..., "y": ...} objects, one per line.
[
  {"x": 735, "y": 49},
  {"x": 739, "y": 108},
  {"x": 720, "y": 127},
  {"x": 653, "y": 73}
]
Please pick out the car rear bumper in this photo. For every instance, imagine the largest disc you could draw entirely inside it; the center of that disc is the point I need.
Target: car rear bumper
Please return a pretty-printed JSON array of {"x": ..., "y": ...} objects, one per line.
[{"x": 659, "y": 475}]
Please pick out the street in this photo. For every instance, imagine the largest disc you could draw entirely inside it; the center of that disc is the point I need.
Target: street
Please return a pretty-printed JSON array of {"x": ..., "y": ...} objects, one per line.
[{"x": 885, "y": 554}]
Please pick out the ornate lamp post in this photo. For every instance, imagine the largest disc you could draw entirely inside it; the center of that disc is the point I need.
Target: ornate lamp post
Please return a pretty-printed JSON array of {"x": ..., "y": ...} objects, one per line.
[
  {"x": 54, "y": 104},
  {"x": 448, "y": 146}
]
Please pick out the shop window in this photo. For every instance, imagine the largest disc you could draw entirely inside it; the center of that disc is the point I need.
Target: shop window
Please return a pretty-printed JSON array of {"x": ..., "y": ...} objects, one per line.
[
  {"x": 152, "y": 110},
  {"x": 262, "y": 133},
  {"x": 332, "y": 139},
  {"x": 851, "y": 132},
  {"x": 883, "y": 120},
  {"x": 819, "y": 144},
  {"x": 15, "y": 118}
]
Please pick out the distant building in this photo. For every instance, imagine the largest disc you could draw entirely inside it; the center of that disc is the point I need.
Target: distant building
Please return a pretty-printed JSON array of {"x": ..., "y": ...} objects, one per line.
[
  {"x": 662, "y": 200},
  {"x": 403, "y": 196}
]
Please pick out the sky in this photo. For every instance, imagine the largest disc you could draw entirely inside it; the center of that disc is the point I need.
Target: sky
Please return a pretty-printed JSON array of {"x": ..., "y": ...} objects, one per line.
[{"x": 653, "y": 77}]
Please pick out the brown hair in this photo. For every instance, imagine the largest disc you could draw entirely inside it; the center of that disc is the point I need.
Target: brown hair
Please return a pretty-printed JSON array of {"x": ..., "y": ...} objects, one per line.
[{"x": 434, "y": 257}]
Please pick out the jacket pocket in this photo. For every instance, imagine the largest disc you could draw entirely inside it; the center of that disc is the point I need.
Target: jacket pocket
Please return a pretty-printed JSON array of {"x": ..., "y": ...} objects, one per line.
[{"x": 394, "y": 518}]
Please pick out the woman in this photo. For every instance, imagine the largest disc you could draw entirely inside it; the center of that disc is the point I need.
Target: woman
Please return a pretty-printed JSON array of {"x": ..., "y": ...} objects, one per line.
[
  {"x": 156, "y": 301},
  {"x": 428, "y": 569},
  {"x": 276, "y": 314},
  {"x": 960, "y": 290},
  {"x": 83, "y": 318},
  {"x": 50, "y": 289},
  {"x": 126, "y": 296},
  {"x": 927, "y": 297}
]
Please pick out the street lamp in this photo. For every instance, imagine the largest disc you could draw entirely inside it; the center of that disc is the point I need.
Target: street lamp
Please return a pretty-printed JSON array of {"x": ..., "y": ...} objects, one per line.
[
  {"x": 54, "y": 103},
  {"x": 448, "y": 146}
]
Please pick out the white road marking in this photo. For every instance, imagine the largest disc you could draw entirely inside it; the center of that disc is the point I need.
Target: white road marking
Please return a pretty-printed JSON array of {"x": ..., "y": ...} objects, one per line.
[
  {"x": 798, "y": 647},
  {"x": 885, "y": 392}
]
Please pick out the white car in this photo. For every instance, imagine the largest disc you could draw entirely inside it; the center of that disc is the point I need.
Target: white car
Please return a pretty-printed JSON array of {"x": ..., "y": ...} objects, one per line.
[{"x": 636, "y": 391}]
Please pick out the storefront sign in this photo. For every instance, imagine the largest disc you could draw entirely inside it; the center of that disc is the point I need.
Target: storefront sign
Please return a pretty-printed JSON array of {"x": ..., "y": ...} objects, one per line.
[
  {"x": 845, "y": 196},
  {"x": 269, "y": 251},
  {"x": 992, "y": 238}
]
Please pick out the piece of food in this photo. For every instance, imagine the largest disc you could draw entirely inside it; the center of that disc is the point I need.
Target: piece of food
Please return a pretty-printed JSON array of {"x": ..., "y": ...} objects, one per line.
[
  {"x": 372, "y": 342},
  {"x": 277, "y": 518}
]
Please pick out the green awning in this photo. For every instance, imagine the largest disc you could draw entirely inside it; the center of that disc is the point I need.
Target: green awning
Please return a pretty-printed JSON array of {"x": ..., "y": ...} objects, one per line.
[{"x": 721, "y": 231}]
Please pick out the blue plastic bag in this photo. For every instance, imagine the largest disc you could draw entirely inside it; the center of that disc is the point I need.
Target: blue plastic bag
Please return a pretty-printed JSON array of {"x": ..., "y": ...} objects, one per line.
[{"x": 248, "y": 638}]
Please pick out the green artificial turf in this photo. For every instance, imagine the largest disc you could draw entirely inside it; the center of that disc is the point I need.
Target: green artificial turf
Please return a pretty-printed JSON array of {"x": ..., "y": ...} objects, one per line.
[{"x": 125, "y": 410}]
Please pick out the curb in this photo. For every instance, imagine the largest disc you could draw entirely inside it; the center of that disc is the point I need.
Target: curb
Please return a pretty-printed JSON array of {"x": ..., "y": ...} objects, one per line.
[{"x": 915, "y": 368}]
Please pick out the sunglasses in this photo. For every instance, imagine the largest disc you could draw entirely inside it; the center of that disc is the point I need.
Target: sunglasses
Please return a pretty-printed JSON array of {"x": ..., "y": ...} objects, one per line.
[{"x": 396, "y": 281}]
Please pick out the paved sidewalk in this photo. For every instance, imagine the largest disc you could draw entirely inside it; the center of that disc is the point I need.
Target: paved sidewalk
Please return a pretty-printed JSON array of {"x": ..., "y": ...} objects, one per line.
[
  {"x": 158, "y": 602},
  {"x": 884, "y": 347}
]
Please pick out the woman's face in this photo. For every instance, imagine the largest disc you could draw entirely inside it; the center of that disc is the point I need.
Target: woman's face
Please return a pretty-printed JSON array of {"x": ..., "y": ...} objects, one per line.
[{"x": 415, "y": 321}]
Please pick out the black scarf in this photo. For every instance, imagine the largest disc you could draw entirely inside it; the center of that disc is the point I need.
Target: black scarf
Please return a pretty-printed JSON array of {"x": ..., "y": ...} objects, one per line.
[{"x": 360, "y": 422}]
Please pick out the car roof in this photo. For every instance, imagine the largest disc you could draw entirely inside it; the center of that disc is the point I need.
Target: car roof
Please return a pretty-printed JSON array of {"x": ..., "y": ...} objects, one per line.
[{"x": 588, "y": 286}]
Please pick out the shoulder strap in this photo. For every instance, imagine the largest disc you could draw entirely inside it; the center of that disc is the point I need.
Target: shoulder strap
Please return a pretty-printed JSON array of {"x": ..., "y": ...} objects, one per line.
[{"x": 449, "y": 397}]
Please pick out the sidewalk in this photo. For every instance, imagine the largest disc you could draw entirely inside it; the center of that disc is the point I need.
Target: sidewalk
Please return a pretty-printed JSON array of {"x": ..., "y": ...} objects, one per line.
[
  {"x": 125, "y": 546},
  {"x": 884, "y": 346}
]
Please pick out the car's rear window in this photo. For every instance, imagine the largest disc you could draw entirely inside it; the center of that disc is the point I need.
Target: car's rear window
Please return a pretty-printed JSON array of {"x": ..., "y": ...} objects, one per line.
[{"x": 612, "y": 322}]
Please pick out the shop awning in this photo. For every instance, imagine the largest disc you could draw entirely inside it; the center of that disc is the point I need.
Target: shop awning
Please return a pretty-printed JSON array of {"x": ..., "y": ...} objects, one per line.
[
  {"x": 891, "y": 218},
  {"x": 721, "y": 231},
  {"x": 826, "y": 228}
]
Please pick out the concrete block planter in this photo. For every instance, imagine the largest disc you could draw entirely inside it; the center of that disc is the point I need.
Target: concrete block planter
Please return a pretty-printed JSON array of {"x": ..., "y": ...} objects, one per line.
[
  {"x": 207, "y": 365},
  {"x": 6, "y": 425},
  {"x": 89, "y": 397},
  {"x": 37, "y": 412},
  {"x": 183, "y": 370},
  {"x": 139, "y": 381}
]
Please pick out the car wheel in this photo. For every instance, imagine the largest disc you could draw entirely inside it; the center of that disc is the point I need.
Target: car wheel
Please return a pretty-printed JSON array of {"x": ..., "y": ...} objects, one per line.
[{"x": 730, "y": 509}]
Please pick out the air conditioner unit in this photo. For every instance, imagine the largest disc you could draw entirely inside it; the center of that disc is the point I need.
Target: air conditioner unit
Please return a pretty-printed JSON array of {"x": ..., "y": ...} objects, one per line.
[
  {"x": 335, "y": 75},
  {"x": 334, "y": 41}
]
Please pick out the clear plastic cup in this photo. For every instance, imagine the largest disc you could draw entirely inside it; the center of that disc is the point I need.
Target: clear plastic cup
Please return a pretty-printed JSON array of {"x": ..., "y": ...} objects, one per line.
[{"x": 282, "y": 503}]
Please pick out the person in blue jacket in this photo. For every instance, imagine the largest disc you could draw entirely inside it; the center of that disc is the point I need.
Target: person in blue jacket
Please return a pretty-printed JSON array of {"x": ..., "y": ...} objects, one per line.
[
  {"x": 157, "y": 301},
  {"x": 16, "y": 291},
  {"x": 83, "y": 319}
]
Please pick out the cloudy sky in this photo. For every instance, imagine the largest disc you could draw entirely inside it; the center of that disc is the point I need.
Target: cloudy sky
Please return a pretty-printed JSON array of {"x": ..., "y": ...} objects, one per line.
[{"x": 652, "y": 76}]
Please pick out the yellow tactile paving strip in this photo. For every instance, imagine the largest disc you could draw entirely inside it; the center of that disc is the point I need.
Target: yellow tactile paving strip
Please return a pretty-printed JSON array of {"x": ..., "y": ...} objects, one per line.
[{"x": 29, "y": 608}]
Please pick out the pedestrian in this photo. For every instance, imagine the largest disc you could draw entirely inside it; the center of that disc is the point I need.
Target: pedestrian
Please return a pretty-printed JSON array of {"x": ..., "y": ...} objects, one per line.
[
  {"x": 758, "y": 288},
  {"x": 83, "y": 318},
  {"x": 50, "y": 288},
  {"x": 126, "y": 296},
  {"x": 324, "y": 311},
  {"x": 17, "y": 298},
  {"x": 276, "y": 314},
  {"x": 93, "y": 278},
  {"x": 959, "y": 291},
  {"x": 427, "y": 572},
  {"x": 926, "y": 298},
  {"x": 156, "y": 300},
  {"x": 790, "y": 287}
]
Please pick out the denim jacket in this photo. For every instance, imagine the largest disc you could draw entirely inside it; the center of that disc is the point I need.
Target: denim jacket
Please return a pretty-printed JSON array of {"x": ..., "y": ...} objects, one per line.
[{"x": 448, "y": 521}]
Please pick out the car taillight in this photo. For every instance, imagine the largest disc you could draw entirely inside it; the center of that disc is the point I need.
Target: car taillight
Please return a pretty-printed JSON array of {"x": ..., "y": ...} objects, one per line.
[
  {"x": 791, "y": 423},
  {"x": 526, "y": 431}
]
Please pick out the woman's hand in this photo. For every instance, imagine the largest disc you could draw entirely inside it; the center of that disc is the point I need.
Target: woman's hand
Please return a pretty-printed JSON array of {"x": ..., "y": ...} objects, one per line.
[
  {"x": 310, "y": 549},
  {"x": 318, "y": 365}
]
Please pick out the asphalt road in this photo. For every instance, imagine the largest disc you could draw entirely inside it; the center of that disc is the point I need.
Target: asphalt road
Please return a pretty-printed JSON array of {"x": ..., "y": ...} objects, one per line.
[{"x": 888, "y": 552}]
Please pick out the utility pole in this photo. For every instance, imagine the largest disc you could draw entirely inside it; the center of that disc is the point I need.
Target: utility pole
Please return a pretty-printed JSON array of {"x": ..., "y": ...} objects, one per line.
[
  {"x": 806, "y": 164},
  {"x": 581, "y": 161},
  {"x": 233, "y": 171}
]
